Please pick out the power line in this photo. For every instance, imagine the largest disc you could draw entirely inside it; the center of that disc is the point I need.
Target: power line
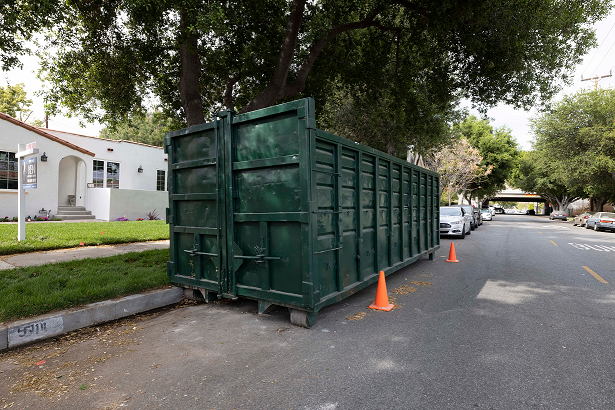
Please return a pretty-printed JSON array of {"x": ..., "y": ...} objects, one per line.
[
  {"x": 607, "y": 53},
  {"x": 599, "y": 47}
]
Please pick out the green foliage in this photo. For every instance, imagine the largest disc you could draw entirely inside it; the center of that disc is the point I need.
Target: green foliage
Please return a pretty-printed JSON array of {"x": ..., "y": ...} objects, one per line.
[
  {"x": 405, "y": 64},
  {"x": 47, "y": 236},
  {"x": 20, "y": 20},
  {"x": 150, "y": 129},
  {"x": 498, "y": 149},
  {"x": 36, "y": 290},
  {"x": 579, "y": 137},
  {"x": 538, "y": 172},
  {"x": 15, "y": 102}
]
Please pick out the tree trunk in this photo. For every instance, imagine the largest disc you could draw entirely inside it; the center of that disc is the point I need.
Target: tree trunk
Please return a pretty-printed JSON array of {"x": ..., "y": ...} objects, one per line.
[
  {"x": 599, "y": 203},
  {"x": 190, "y": 73}
]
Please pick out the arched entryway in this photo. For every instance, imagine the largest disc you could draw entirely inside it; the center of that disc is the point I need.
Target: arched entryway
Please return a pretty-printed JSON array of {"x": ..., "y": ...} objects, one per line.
[{"x": 71, "y": 182}]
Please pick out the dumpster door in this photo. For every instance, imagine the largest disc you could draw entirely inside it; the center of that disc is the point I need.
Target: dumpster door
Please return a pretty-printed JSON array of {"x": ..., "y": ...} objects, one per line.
[{"x": 197, "y": 213}]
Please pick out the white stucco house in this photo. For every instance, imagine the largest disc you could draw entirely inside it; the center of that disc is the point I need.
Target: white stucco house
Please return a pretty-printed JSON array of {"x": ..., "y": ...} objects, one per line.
[{"x": 80, "y": 175}]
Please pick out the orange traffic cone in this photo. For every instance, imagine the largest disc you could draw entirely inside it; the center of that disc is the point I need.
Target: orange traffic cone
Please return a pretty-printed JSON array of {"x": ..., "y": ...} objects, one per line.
[
  {"x": 451, "y": 255},
  {"x": 382, "y": 300}
]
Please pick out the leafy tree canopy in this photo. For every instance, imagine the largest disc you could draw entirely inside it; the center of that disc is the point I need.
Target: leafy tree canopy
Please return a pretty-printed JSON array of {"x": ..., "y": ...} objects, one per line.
[
  {"x": 498, "y": 149},
  {"x": 579, "y": 136},
  {"x": 19, "y": 20},
  {"x": 15, "y": 102},
  {"x": 538, "y": 172},
  {"x": 404, "y": 63},
  {"x": 149, "y": 128}
]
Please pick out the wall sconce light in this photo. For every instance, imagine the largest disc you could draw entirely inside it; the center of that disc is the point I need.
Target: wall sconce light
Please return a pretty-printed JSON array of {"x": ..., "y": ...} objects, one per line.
[
  {"x": 140, "y": 169},
  {"x": 44, "y": 157}
]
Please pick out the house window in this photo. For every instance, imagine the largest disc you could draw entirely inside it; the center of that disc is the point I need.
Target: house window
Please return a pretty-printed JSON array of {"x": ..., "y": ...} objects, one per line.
[
  {"x": 8, "y": 170},
  {"x": 160, "y": 180},
  {"x": 98, "y": 177},
  {"x": 113, "y": 174}
]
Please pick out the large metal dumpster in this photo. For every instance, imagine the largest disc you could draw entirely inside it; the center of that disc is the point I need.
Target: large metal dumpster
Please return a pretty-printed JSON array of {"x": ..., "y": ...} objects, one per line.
[{"x": 265, "y": 206}]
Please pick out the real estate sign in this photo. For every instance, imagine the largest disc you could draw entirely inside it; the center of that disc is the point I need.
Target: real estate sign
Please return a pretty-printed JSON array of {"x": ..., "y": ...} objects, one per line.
[{"x": 29, "y": 173}]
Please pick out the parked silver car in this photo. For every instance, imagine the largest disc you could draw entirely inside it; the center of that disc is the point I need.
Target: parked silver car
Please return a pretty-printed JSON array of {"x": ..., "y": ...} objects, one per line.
[
  {"x": 558, "y": 215},
  {"x": 454, "y": 221},
  {"x": 469, "y": 209},
  {"x": 601, "y": 221}
]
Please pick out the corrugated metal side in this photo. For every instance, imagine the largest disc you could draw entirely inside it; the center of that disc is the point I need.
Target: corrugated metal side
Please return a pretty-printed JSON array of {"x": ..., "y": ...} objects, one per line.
[{"x": 373, "y": 212}]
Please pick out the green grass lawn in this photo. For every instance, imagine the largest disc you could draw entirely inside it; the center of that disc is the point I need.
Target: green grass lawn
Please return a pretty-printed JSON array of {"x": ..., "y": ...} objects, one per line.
[
  {"x": 36, "y": 290},
  {"x": 47, "y": 235}
]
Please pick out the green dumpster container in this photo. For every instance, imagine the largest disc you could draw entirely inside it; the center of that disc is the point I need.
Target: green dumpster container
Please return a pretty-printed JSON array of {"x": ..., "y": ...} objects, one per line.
[{"x": 264, "y": 205}]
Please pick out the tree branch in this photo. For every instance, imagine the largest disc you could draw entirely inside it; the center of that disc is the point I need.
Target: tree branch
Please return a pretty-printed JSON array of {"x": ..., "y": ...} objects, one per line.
[{"x": 228, "y": 94}]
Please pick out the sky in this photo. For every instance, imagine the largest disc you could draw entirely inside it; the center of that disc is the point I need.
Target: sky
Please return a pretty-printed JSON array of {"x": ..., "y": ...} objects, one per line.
[{"x": 598, "y": 62}]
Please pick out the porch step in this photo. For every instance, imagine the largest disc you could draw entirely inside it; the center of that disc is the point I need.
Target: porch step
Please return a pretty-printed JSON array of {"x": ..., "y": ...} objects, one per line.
[
  {"x": 69, "y": 213},
  {"x": 74, "y": 217},
  {"x": 84, "y": 212},
  {"x": 71, "y": 208}
]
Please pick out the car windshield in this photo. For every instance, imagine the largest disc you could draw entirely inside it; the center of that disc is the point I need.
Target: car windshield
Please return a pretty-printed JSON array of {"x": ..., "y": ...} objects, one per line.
[
  {"x": 607, "y": 215},
  {"x": 450, "y": 211},
  {"x": 485, "y": 211}
]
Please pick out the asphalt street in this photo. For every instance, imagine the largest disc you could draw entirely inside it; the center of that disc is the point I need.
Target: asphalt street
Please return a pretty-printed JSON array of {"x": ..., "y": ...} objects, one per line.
[{"x": 523, "y": 321}]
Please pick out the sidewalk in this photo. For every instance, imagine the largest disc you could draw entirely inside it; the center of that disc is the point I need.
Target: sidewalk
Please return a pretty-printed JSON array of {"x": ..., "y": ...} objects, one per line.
[
  {"x": 63, "y": 255},
  {"x": 56, "y": 323}
]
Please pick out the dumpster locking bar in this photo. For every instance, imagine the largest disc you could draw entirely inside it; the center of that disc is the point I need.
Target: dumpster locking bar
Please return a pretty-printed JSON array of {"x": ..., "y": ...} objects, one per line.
[{"x": 194, "y": 252}]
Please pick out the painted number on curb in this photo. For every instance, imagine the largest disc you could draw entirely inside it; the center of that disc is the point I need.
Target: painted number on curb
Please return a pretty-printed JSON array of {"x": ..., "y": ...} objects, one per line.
[
  {"x": 586, "y": 247},
  {"x": 35, "y": 330}
]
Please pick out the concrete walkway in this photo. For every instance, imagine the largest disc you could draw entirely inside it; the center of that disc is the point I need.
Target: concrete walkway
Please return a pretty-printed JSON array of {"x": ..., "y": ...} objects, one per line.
[{"x": 84, "y": 252}]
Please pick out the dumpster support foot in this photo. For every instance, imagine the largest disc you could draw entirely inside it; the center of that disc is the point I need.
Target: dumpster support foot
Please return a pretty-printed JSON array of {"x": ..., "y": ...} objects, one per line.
[
  {"x": 192, "y": 294},
  {"x": 303, "y": 318},
  {"x": 432, "y": 256},
  {"x": 209, "y": 296},
  {"x": 265, "y": 307}
]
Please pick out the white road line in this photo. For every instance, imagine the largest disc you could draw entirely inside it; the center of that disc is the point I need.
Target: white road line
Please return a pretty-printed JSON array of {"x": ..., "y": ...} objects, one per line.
[{"x": 588, "y": 247}]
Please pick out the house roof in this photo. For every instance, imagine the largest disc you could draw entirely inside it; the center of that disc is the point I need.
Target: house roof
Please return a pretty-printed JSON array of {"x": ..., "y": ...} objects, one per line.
[
  {"x": 45, "y": 134},
  {"x": 108, "y": 139}
]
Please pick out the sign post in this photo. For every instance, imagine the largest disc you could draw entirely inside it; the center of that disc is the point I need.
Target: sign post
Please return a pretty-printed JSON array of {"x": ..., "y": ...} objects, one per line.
[{"x": 26, "y": 180}]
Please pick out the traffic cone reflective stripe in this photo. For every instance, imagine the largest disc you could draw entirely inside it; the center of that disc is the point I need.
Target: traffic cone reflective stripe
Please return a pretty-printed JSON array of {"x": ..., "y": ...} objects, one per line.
[
  {"x": 382, "y": 299},
  {"x": 451, "y": 255}
]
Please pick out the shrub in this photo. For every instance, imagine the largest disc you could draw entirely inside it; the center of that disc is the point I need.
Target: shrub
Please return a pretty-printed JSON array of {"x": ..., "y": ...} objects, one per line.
[
  {"x": 153, "y": 216},
  {"x": 122, "y": 219},
  {"x": 139, "y": 219}
]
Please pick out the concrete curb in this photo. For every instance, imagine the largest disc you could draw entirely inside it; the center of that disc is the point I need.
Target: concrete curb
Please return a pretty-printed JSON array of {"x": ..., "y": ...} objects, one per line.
[{"x": 53, "y": 324}]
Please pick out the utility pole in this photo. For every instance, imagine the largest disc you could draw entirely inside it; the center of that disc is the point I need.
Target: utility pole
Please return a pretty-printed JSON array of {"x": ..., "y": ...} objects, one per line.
[
  {"x": 596, "y": 78},
  {"x": 46, "y": 120}
]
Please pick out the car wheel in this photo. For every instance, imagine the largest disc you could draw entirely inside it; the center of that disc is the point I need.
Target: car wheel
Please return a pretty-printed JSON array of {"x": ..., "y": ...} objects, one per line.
[
  {"x": 472, "y": 227},
  {"x": 587, "y": 226},
  {"x": 463, "y": 232},
  {"x": 596, "y": 227}
]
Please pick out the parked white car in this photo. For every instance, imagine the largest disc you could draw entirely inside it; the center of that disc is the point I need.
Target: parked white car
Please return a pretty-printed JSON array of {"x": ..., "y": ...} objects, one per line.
[
  {"x": 454, "y": 221},
  {"x": 487, "y": 216}
]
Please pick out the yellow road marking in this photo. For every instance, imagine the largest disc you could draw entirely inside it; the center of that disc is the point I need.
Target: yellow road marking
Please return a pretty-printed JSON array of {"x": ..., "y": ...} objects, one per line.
[
  {"x": 539, "y": 232},
  {"x": 554, "y": 243},
  {"x": 595, "y": 275}
]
